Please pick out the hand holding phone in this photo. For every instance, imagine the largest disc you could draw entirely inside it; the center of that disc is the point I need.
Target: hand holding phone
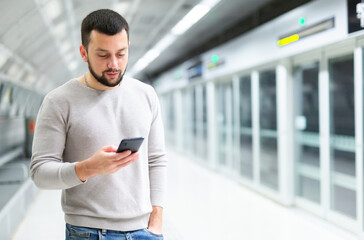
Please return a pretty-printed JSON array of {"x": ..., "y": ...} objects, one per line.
[
  {"x": 105, "y": 161},
  {"x": 132, "y": 144}
]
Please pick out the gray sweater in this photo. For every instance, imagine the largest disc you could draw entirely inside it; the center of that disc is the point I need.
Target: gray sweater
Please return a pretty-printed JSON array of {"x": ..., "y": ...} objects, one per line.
[{"x": 74, "y": 122}]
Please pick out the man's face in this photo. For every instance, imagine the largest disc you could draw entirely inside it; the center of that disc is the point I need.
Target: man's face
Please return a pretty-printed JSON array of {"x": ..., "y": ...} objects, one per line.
[{"x": 107, "y": 57}]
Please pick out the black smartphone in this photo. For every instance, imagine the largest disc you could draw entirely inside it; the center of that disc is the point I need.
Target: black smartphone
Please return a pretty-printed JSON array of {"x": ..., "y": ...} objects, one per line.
[{"x": 131, "y": 144}]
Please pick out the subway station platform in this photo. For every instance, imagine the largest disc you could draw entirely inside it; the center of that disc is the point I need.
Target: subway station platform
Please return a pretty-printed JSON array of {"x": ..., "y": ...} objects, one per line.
[{"x": 201, "y": 205}]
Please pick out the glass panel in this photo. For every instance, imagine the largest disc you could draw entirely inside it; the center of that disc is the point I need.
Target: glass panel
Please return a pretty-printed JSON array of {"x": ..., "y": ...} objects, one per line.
[
  {"x": 1, "y": 92},
  {"x": 309, "y": 189},
  {"x": 246, "y": 140},
  {"x": 344, "y": 162},
  {"x": 342, "y": 137},
  {"x": 306, "y": 87},
  {"x": 268, "y": 129},
  {"x": 310, "y": 97},
  {"x": 194, "y": 139},
  {"x": 187, "y": 120},
  {"x": 204, "y": 123},
  {"x": 342, "y": 197},
  {"x": 245, "y": 102},
  {"x": 170, "y": 119},
  {"x": 201, "y": 122},
  {"x": 310, "y": 156},
  {"x": 246, "y": 147},
  {"x": 224, "y": 121}
]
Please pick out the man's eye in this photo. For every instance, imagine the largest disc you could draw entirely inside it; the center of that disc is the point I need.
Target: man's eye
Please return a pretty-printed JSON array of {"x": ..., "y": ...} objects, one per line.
[
  {"x": 103, "y": 56},
  {"x": 121, "y": 55}
]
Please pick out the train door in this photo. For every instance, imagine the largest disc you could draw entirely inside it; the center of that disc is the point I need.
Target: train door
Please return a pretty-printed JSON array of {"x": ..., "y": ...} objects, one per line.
[
  {"x": 307, "y": 114},
  {"x": 341, "y": 127},
  {"x": 326, "y": 159}
]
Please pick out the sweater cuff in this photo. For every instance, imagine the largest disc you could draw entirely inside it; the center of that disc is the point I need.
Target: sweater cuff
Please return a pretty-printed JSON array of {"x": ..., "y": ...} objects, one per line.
[
  {"x": 157, "y": 198},
  {"x": 69, "y": 176}
]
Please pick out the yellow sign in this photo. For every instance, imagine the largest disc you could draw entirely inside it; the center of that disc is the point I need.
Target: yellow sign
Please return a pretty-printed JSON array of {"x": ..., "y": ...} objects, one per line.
[{"x": 288, "y": 40}]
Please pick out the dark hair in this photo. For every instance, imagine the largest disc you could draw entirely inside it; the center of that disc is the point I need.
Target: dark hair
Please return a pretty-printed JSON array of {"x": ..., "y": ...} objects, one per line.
[{"x": 105, "y": 21}]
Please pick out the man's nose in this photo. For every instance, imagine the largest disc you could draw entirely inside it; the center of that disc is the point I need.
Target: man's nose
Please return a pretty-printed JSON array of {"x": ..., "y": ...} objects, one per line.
[{"x": 113, "y": 63}]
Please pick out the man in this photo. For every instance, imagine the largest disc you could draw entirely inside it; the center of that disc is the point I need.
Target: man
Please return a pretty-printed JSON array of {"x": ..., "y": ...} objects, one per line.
[{"x": 106, "y": 195}]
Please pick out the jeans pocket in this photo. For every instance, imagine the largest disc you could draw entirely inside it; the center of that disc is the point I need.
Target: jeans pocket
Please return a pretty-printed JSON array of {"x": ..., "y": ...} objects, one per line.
[
  {"x": 159, "y": 236},
  {"x": 75, "y": 233}
]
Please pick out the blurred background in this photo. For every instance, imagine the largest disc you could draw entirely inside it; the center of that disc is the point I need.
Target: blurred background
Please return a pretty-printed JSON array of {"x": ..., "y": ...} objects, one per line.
[{"x": 262, "y": 103}]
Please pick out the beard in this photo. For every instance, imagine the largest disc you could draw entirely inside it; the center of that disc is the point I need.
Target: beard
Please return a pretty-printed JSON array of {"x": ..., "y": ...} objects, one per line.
[{"x": 102, "y": 79}]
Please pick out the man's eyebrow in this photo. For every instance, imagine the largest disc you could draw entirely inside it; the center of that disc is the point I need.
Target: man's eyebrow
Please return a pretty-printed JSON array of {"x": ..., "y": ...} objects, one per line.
[
  {"x": 104, "y": 50},
  {"x": 101, "y": 50}
]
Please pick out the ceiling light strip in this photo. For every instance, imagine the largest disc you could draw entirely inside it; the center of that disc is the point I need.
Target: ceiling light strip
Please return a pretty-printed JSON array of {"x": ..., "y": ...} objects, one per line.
[{"x": 191, "y": 18}]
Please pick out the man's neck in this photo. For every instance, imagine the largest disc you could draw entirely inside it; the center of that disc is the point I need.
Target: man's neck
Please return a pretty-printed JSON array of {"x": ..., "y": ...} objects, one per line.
[{"x": 89, "y": 81}]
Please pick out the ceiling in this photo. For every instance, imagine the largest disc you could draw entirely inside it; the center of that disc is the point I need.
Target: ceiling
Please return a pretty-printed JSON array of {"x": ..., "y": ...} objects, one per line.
[{"x": 39, "y": 39}]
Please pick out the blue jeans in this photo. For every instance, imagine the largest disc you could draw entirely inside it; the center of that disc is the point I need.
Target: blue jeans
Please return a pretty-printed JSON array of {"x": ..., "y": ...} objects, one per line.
[{"x": 81, "y": 233}]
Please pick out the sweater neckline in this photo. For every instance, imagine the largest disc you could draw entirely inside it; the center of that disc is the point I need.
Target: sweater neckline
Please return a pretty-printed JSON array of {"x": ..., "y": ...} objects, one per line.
[{"x": 112, "y": 91}]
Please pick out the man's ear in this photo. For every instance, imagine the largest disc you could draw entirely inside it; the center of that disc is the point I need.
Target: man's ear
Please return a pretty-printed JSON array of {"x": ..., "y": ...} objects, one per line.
[{"x": 83, "y": 53}]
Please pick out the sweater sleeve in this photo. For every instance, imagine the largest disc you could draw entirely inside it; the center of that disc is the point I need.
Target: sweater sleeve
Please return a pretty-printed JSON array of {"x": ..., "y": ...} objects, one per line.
[
  {"x": 157, "y": 156},
  {"x": 47, "y": 168}
]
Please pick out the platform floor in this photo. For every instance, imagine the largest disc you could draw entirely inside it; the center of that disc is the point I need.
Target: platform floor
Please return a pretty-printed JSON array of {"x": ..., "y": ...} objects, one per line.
[{"x": 201, "y": 205}]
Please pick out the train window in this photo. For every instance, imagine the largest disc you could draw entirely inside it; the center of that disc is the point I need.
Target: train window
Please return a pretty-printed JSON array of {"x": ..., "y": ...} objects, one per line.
[{"x": 342, "y": 137}]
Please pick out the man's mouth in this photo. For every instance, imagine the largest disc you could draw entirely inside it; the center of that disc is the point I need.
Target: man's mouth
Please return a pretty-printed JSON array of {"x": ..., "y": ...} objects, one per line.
[{"x": 112, "y": 74}]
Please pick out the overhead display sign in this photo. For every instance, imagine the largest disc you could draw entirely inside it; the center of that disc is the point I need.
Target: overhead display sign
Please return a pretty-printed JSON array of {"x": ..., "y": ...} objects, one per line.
[
  {"x": 195, "y": 70},
  {"x": 354, "y": 10},
  {"x": 215, "y": 61},
  {"x": 306, "y": 31}
]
